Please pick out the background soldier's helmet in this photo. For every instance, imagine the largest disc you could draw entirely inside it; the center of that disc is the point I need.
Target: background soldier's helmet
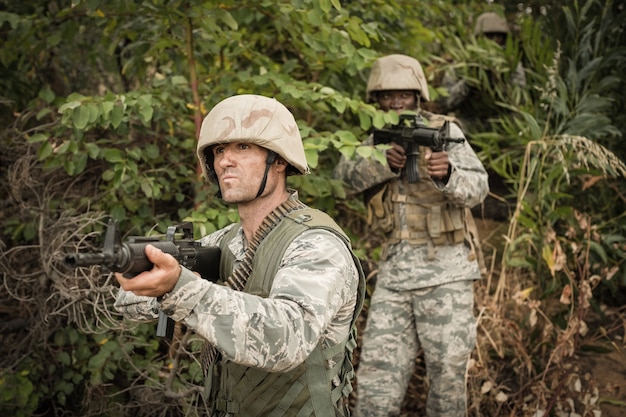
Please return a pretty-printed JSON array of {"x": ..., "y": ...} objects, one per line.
[
  {"x": 490, "y": 22},
  {"x": 249, "y": 118},
  {"x": 396, "y": 72}
]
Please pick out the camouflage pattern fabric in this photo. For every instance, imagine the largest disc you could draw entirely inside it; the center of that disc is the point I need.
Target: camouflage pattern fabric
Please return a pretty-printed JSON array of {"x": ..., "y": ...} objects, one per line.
[
  {"x": 459, "y": 91},
  {"x": 419, "y": 301},
  {"x": 312, "y": 300},
  {"x": 466, "y": 187},
  {"x": 407, "y": 267},
  {"x": 443, "y": 318}
]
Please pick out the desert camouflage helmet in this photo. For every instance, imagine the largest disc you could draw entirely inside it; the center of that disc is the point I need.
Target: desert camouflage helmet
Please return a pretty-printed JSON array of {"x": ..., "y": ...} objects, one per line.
[
  {"x": 396, "y": 72},
  {"x": 254, "y": 119},
  {"x": 490, "y": 22}
]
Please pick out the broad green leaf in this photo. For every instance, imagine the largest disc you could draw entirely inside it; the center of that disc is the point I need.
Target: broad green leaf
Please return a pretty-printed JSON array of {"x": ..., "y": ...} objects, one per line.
[
  {"x": 179, "y": 80},
  {"x": 227, "y": 18},
  {"x": 379, "y": 120},
  {"x": 71, "y": 105},
  {"x": 146, "y": 187},
  {"x": 365, "y": 151},
  {"x": 80, "y": 163},
  {"x": 151, "y": 151},
  {"x": 93, "y": 150},
  {"x": 44, "y": 151},
  {"x": 94, "y": 112},
  {"x": 312, "y": 157},
  {"x": 365, "y": 121},
  {"x": 112, "y": 155},
  {"x": 116, "y": 115},
  {"x": 43, "y": 113},
  {"x": 107, "y": 107},
  {"x": 46, "y": 94},
  {"x": 80, "y": 116},
  {"x": 38, "y": 137}
]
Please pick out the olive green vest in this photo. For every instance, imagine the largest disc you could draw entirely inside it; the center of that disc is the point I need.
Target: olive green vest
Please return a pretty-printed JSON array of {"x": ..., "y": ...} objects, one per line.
[{"x": 319, "y": 386}]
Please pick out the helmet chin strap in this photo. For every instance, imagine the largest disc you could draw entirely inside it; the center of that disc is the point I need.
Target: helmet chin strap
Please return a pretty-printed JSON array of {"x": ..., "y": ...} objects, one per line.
[{"x": 271, "y": 157}]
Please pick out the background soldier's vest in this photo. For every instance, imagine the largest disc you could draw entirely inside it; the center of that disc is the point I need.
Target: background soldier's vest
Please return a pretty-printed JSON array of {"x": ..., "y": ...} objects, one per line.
[
  {"x": 430, "y": 218},
  {"x": 319, "y": 386}
]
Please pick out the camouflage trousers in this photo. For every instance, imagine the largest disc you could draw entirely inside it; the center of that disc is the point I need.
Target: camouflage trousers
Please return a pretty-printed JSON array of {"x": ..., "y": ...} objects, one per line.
[{"x": 441, "y": 319}]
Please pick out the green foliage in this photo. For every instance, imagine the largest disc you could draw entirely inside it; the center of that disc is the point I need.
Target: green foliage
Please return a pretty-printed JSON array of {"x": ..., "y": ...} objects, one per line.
[
  {"x": 58, "y": 375},
  {"x": 557, "y": 169},
  {"x": 102, "y": 103}
]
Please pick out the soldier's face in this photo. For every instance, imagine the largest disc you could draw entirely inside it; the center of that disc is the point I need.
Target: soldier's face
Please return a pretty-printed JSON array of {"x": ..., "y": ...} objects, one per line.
[
  {"x": 239, "y": 168},
  {"x": 499, "y": 38},
  {"x": 397, "y": 100}
]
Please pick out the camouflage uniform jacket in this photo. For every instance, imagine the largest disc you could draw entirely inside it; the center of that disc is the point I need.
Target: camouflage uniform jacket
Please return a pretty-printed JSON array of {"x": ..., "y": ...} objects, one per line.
[
  {"x": 458, "y": 89},
  {"x": 407, "y": 264},
  {"x": 312, "y": 302}
]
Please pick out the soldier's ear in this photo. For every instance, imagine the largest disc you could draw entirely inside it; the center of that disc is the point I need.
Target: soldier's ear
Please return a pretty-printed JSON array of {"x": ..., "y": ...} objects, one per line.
[{"x": 281, "y": 164}]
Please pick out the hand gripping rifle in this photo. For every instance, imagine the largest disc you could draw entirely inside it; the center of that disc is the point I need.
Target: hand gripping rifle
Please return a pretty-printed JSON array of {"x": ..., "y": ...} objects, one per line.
[
  {"x": 130, "y": 259},
  {"x": 411, "y": 133}
]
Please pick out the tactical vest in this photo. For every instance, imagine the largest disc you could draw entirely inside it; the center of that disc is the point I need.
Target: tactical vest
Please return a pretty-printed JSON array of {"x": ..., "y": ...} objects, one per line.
[
  {"x": 430, "y": 218},
  {"x": 317, "y": 387}
]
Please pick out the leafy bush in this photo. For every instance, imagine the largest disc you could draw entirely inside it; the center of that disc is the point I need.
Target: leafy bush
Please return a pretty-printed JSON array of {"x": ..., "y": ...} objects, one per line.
[{"x": 102, "y": 103}]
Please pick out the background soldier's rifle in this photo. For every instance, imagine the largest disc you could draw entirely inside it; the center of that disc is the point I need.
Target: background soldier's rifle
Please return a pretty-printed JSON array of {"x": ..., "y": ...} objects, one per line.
[{"x": 411, "y": 133}]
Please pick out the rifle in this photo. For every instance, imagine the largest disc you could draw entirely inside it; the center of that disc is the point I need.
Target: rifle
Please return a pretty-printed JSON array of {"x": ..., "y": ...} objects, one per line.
[
  {"x": 130, "y": 259},
  {"x": 411, "y": 133}
]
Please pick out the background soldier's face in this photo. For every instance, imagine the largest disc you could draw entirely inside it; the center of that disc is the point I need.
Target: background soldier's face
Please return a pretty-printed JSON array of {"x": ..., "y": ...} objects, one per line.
[{"x": 397, "y": 100}]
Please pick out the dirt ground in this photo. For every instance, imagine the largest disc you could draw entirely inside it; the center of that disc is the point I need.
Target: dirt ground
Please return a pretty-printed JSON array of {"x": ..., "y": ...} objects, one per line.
[{"x": 608, "y": 366}]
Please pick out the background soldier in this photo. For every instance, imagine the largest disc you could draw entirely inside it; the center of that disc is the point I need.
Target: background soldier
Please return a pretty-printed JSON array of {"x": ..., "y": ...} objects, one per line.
[
  {"x": 424, "y": 289},
  {"x": 279, "y": 331},
  {"x": 474, "y": 107},
  {"x": 464, "y": 100}
]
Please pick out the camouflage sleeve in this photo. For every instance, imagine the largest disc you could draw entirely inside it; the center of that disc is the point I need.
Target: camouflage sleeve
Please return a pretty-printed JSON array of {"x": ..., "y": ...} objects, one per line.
[
  {"x": 468, "y": 183},
  {"x": 359, "y": 174},
  {"x": 135, "y": 307},
  {"x": 519, "y": 76},
  {"x": 312, "y": 299},
  {"x": 457, "y": 89}
]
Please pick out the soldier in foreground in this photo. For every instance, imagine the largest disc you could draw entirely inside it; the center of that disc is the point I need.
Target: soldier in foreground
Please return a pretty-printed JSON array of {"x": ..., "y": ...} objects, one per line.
[
  {"x": 424, "y": 290},
  {"x": 279, "y": 332}
]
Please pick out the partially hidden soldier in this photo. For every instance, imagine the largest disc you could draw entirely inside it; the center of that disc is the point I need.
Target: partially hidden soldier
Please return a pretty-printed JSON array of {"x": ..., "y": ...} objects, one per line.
[
  {"x": 461, "y": 98},
  {"x": 279, "y": 322},
  {"x": 424, "y": 289},
  {"x": 475, "y": 108}
]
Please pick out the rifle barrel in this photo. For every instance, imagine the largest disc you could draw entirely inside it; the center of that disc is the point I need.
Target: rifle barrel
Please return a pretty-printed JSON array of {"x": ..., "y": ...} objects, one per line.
[{"x": 84, "y": 259}]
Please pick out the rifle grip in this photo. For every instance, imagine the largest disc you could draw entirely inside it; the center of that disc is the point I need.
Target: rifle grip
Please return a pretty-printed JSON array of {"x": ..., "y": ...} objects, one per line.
[{"x": 411, "y": 166}]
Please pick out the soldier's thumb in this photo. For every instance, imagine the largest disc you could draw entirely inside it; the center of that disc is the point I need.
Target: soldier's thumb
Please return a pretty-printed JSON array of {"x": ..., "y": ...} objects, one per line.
[{"x": 154, "y": 254}]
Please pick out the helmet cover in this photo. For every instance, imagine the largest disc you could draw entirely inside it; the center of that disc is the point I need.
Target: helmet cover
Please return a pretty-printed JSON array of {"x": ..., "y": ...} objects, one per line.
[
  {"x": 250, "y": 118},
  {"x": 490, "y": 22},
  {"x": 397, "y": 72}
]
